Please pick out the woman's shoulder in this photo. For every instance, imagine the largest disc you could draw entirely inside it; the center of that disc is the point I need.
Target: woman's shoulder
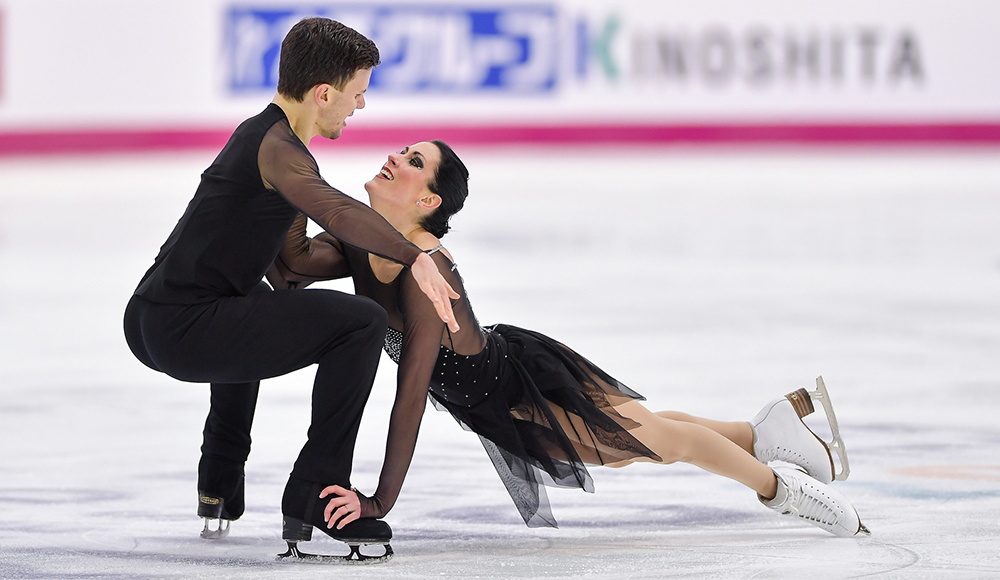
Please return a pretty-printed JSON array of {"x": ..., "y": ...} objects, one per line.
[{"x": 430, "y": 244}]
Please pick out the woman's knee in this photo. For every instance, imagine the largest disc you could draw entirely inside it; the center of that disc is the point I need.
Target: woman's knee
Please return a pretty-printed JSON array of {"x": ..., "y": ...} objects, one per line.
[
  {"x": 671, "y": 440},
  {"x": 684, "y": 439},
  {"x": 675, "y": 416}
]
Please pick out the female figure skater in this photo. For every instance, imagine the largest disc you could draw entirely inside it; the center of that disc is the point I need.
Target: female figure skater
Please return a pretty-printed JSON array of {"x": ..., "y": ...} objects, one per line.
[{"x": 541, "y": 410}]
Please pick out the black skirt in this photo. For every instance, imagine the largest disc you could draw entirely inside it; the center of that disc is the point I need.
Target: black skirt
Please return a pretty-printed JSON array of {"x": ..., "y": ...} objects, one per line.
[{"x": 510, "y": 394}]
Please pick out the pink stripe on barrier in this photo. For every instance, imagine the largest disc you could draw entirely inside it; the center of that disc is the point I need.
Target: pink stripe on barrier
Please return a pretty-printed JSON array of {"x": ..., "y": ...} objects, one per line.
[
  {"x": 666, "y": 134},
  {"x": 54, "y": 142},
  {"x": 140, "y": 140}
]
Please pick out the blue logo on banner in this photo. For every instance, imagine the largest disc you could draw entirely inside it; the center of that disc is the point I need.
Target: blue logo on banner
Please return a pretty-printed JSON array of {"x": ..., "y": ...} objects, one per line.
[{"x": 431, "y": 48}]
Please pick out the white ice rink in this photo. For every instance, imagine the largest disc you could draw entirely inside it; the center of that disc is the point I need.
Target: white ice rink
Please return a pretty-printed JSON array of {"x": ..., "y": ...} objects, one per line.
[{"x": 710, "y": 281}]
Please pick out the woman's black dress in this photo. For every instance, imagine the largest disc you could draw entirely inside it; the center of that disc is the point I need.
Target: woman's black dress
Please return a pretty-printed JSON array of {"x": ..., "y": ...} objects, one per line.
[{"x": 505, "y": 383}]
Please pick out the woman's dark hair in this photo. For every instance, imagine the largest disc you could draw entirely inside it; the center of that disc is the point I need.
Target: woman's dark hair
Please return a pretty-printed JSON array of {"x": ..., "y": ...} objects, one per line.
[
  {"x": 319, "y": 50},
  {"x": 451, "y": 183}
]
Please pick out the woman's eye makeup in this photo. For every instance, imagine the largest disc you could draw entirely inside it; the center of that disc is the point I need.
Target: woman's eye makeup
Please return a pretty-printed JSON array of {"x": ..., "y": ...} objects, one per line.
[{"x": 415, "y": 161}]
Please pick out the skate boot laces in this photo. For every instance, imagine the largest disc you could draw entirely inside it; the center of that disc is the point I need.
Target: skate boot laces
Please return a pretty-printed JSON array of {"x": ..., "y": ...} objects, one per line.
[
  {"x": 810, "y": 503},
  {"x": 805, "y": 498}
]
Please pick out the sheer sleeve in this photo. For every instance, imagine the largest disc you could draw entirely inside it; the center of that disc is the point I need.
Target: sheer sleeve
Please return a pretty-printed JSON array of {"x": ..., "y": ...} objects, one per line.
[
  {"x": 303, "y": 259},
  {"x": 288, "y": 167},
  {"x": 422, "y": 332}
]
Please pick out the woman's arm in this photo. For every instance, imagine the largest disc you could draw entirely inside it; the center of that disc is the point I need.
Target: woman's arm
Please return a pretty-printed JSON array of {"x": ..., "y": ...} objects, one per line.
[
  {"x": 422, "y": 331},
  {"x": 303, "y": 260}
]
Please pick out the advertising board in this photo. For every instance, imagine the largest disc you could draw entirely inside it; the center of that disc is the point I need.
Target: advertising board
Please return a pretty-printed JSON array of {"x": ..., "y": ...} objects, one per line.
[{"x": 538, "y": 70}]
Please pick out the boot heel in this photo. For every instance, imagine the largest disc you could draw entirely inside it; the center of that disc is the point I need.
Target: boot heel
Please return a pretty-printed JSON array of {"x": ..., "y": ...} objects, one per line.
[
  {"x": 801, "y": 402},
  {"x": 209, "y": 507},
  {"x": 293, "y": 530}
]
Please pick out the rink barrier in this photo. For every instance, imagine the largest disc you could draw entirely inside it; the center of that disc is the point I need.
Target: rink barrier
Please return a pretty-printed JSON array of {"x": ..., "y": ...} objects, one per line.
[{"x": 151, "y": 140}]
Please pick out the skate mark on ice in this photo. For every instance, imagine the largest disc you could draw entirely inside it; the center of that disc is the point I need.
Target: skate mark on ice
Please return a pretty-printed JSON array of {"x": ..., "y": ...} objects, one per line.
[
  {"x": 655, "y": 518},
  {"x": 112, "y": 538},
  {"x": 926, "y": 493},
  {"x": 42, "y": 496},
  {"x": 966, "y": 472},
  {"x": 924, "y": 437},
  {"x": 133, "y": 564},
  {"x": 481, "y": 514},
  {"x": 911, "y": 558},
  {"x": 664, "y": 518}
]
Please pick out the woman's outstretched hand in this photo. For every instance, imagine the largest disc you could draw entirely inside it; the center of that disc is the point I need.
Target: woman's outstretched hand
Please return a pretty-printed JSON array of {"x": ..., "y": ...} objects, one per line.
[
  {"x": 344, "y": 506},
  {"x": 433, "y": 284}
]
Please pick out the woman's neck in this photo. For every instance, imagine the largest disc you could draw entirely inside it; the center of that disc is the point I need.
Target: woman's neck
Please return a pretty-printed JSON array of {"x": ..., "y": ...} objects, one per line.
[
  {"x": 411, "y": 230},
  {"x": 421, "y": 238},
  {"x": 386, "y": 270}
]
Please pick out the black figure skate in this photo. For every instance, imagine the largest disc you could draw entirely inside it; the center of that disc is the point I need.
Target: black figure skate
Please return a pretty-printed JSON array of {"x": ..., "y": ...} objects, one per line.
[
  {"x": 220, "y": 495},
  {"x": 362, "y": 532},
  {"x": 302, "y": 509}
]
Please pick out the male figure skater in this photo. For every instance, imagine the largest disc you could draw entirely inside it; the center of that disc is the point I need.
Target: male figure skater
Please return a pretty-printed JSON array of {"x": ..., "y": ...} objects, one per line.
[{"x": 201, "y": 313}]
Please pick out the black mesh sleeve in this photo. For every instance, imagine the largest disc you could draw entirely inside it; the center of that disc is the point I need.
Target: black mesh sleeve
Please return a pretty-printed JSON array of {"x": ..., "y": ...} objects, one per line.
[
  {"x": 422, "y": 332},
  {"x": 288, "y": 167},
  {"x": 303, "y": 259}
]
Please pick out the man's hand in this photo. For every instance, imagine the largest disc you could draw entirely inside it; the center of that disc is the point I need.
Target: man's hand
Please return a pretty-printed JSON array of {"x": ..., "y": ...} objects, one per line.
[
  {"x": 433, "y": 284},
  {"x": 344, "y": 506}
]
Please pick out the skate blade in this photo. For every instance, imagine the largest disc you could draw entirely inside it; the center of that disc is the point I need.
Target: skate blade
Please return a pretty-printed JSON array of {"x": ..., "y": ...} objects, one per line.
[
  {"x": 805, "y": 407},
  {"x": 354, "y": 557},
  {"x": 218, "y": 533}
]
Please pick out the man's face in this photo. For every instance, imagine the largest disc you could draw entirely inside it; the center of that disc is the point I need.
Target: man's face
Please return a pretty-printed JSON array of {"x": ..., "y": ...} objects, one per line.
[{"x": 342, "y": 104}]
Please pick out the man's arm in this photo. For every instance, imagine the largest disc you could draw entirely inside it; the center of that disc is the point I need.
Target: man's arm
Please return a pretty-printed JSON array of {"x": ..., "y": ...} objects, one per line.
[{"x": 287, "y": 166}]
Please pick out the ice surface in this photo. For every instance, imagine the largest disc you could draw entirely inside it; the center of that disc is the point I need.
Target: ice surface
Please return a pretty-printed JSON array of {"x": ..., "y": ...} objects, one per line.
[{"x": 710, "y": 281}]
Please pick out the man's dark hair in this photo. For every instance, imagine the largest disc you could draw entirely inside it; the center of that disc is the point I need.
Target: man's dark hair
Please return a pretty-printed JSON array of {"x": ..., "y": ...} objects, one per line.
[
  {"x": 322, "y": 51},
  {"x": 451, "y": 182}
]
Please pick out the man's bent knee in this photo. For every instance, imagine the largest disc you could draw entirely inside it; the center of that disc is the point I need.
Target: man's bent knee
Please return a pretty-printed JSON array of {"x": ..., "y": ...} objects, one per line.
[{"x": 378, "y": 320}]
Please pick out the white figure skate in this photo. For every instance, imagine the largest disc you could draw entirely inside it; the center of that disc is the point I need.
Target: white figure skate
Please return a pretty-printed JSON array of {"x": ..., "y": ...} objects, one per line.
[
  {"x": 780, "y": 435},
  {"x": 817, "y": 503}
]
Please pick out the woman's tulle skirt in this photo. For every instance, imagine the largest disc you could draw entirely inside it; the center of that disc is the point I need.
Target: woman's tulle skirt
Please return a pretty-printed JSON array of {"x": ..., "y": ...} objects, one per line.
[{"x": 513, "y": 395}]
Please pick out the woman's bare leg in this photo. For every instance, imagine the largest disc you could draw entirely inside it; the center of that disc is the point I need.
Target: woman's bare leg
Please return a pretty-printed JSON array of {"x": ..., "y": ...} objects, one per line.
[
  {"x": 739, "y": 432},
  {"x": 674, "y": 440}
]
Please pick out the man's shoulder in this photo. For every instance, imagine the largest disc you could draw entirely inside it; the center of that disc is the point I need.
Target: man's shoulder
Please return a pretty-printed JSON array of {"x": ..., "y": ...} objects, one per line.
[{"x": 262, "y": 121}]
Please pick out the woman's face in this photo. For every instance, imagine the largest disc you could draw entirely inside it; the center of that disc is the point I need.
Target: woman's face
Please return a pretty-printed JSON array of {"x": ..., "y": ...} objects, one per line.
[{"x": 404, "y": 179}]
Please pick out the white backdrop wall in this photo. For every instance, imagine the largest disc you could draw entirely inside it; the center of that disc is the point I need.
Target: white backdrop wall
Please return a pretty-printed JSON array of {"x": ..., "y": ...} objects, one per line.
[{"x": 124, "y": 64}]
